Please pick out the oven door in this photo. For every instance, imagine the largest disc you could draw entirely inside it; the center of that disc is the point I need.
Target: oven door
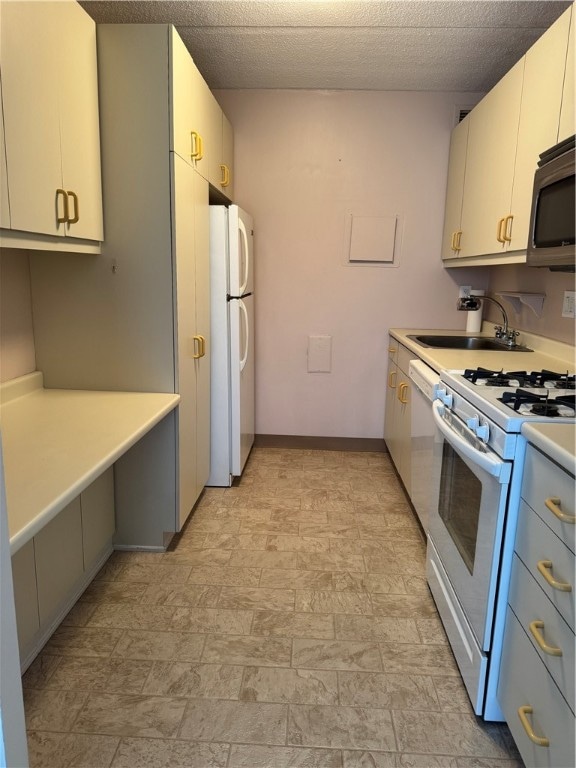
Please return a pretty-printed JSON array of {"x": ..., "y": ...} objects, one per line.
[{"x": 469, "y": 495}]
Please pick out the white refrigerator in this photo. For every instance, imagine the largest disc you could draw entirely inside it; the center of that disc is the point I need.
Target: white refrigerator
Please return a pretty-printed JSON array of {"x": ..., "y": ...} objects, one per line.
[{"x": 232, "y": 331}]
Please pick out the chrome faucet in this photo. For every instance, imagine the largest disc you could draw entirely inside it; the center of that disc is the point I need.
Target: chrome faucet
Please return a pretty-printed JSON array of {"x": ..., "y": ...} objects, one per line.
[{"x": 503, "y": 333}]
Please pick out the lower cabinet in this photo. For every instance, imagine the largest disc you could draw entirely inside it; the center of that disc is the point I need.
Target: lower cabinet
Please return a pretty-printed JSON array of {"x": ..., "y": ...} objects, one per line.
[
  {"x": 53, "y": 569},
  {"x": 397, "y": 432},
  {"x": 536, "y": 684}
]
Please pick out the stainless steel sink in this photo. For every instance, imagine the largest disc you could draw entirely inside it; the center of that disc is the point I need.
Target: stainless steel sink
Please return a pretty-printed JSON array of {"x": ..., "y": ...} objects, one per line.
[{"x": 465, "y": 342}]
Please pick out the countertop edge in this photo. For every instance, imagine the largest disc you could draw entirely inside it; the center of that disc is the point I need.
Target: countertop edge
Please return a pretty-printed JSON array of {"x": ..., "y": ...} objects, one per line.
[{"x": 557, "y": 441}]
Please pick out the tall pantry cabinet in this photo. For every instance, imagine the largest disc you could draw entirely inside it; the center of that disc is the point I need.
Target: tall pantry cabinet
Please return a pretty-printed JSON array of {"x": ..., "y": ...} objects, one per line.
[{"x": 141, "y": 310}]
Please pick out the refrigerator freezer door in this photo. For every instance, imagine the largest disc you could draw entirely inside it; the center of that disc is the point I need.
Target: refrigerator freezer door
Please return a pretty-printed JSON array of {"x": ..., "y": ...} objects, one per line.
[
  {"x": 240, "y": 239},
  {"x": 241, "y": 381}
]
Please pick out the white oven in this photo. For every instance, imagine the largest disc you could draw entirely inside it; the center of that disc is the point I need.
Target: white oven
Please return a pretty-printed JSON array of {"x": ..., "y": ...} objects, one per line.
[
  {"x": 477, "y": 468},
  {"x": 470, "y": 493}
]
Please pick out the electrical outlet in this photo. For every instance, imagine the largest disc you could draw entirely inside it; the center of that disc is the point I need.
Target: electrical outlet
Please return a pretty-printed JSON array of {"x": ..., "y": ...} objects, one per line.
[
  {"x": 464, "y": 290},
  {"x": 568, "y": 304}
]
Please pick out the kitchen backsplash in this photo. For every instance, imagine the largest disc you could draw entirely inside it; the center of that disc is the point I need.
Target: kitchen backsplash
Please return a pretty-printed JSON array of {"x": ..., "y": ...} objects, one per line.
[
  {"x": 519, "y": 277},
  {"x": 17, "y": 354}
]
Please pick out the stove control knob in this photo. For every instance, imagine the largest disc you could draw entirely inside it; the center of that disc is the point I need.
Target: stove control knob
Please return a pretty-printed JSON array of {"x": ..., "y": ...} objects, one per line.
[
  {"x": 473, "y": 423},
  {"x": 446, "y": 397},
  {"x": 440, "y": 393},
  {"x": 483, "y": 432}
]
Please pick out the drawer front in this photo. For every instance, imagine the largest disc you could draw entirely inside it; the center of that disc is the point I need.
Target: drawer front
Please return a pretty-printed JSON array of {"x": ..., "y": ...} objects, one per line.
[
  {"x": 545, "y": 628},
  {"x": 393, "y": 347},
  {"x": 545, "y": 482},
  {"x": 536, "y": 546},
  {"x": 404, "y": 357},
  {"x": 525, "y": 682}
]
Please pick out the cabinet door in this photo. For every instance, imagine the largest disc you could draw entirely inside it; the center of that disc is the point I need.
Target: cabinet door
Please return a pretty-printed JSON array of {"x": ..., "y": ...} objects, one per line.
[
  {"x": 227, "y": 178},
  {"x": 4, "y": 203},
  {"x": 183, "y": 80},
  {"x": 98, "y": 518},
  {"x": 29, "y": 60},
  {"x": 59, "y": 561},
  {"x": 79, "y": 124},
  {"x": 538, "y": 127},
  {"x": 567, "y": 128},
  {"x": 454, "y": 191},
  {"x": 187, "y": 343},
  {"x": 25, "y": 597},
  {"x": 208, "y": 126},
  {"x": 490, "y": 159},
  {"x": 202, "y": 286}
]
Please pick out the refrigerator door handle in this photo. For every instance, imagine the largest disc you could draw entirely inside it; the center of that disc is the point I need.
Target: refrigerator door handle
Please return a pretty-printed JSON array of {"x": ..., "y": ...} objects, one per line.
[
  {"x": 244, "y": 357},
  {"x": 244, "y": 236}
]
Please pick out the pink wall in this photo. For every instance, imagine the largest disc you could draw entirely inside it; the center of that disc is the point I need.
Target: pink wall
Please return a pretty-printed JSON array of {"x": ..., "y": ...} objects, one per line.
[
  {"x": 16, "y": 333},
  {"x": 303, "y": 161}
]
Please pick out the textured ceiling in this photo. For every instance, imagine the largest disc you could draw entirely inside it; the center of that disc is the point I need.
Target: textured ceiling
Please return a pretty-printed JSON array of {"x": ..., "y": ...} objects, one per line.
[{"x": 434, "y": 45}]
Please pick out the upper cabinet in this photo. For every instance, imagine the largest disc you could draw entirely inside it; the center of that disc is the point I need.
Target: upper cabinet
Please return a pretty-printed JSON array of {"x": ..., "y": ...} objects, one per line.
[
  {"x": 491, "y": 174},
  {"x": 51, "y": 131},
  {"x": 198, "y": 122},
  {"x": 567, "y": 122}
]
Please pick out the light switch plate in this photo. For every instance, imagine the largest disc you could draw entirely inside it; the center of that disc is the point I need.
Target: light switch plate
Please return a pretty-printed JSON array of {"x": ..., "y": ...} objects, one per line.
[{"x": 568, "y": 304}]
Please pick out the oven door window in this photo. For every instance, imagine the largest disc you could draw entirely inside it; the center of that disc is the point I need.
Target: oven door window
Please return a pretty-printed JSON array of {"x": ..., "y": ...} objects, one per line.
[{"x": 459, "y": 504}]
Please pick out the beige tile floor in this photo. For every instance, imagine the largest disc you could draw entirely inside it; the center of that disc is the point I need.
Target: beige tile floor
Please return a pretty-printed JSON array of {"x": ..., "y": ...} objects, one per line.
[{"x": 291, "y": 626}]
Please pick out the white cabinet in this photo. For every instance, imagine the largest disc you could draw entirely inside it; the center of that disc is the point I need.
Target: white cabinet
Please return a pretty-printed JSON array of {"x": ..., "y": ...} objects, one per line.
[
  {"x": 567, "y": 122},
  {"x": 536, "y": 685},
  {"x": 227, "y": 163},
  {"x": 51, "y": 570},
  {"x": 491, "y": 173},
  {"x": 451, "y": 239},
  {"x": 397, "y": 432},
  {"x": 190, "y": 195},
  {"x": 50, "y": 105},
  {"x": 141, "y": 310},
  {"x": 490, "y": 166}
]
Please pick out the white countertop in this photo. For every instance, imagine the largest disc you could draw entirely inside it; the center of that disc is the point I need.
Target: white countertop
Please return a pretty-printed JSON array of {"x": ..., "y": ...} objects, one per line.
[
  {"x": 557, "y": 441},
  {"x": 57, "y": 441},
  {"x": 547, "y": 353}
]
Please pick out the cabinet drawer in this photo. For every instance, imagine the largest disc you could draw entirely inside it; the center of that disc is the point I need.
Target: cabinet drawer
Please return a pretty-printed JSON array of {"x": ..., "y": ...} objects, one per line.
[
  {"x": 535, "y": 543},
  {"x": 525, "y": 682},
  {"x": 543, "y": 482},
  {"x": 530, "y": 605},
  {"x": 393, "y": 347},
  {"x": 404, "y": 357}
]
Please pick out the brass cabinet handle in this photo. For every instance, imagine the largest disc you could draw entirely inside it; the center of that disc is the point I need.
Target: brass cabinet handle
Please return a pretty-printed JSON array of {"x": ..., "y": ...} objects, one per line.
[
  {"x": 535, "y": 627},
  {"x": 458, "y": 240},
  {"x": 76, "y": 216},
  {"x": 199, "y": 347},
  {"x": 545, "y": 566},
  {"x": 392, "y": 350},
  {"x": 453, "y": 242},
  {"x": 541, "y": 741},
  {"x": 201, "y": 148},
  {"x": 456, "y": 237},
  {"x": 195, "y": 146},
  {"x": 401, "y": 390},
  {"x": 391, "y": 381},
  {"x": 507, "y": 230},
  {"x": 61, "y": 194},
  {"x": 553, "y": 504},
  {"x": 499, "y": 235},
  {"x": 225, "y": 180}
]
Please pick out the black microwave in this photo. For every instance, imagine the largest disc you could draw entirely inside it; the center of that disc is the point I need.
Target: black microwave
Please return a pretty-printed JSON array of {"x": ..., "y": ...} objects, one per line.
[{"x": 551, "y": 234}]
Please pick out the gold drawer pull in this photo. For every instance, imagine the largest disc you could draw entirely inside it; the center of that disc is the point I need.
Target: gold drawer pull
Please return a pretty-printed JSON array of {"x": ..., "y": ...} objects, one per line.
[
  {"x": 535, "y": 627},
  {"x": 392, "y": 350},
  {"x": 62, "y": 195},
  {"x": 507, "y": 234},
  {"x": 541, "y": 741},
  {"x": 392, "y": 379},
  {"x": 401, "y": 393},
  {"x": 553, "y": 504},
  {"x": 545, "y": 566}
]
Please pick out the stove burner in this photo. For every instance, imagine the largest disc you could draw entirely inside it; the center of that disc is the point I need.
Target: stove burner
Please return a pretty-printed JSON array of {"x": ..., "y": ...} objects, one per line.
[
  {"x": 495, "y": 378},
  {"x": 537, "y": 404},
  {"x": 545, "y": 409},
  {"x": 543, "y": 379}
]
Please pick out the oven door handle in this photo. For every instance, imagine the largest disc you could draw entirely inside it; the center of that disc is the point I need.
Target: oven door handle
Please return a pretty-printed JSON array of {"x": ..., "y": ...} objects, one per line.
[{"x": 487, "y": 461}]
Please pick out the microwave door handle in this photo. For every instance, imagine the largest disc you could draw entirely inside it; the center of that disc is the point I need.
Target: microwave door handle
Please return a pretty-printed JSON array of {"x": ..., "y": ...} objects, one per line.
[{"x": 487, "y": 461}]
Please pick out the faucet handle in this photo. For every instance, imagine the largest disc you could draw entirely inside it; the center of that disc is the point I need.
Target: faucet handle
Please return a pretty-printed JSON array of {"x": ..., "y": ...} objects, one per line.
[
  {"x": 499, "y": 331},
  {"x": 512, "y": 334}
]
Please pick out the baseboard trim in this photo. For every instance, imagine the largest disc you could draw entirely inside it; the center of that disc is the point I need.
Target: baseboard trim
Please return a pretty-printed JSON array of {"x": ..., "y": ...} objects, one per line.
[{"x": 369, "y": 444}]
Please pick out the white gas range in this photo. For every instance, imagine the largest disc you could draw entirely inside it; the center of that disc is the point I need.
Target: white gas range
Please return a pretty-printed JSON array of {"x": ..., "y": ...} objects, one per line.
[{"x": 478, "y": 462}]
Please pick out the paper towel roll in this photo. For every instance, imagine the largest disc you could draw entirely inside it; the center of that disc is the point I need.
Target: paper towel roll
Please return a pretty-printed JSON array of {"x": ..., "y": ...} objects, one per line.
[{"x": 474, "y": 318}]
